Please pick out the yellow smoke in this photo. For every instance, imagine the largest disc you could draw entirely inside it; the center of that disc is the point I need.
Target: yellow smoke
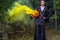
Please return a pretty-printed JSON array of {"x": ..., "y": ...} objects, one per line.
[{"x": 17, "y": 8}]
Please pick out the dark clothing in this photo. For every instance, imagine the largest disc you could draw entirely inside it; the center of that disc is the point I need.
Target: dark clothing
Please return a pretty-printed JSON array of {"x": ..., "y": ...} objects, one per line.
[
  {"x": 39, "y": 33},
  {"x": 44, "y": 13}
]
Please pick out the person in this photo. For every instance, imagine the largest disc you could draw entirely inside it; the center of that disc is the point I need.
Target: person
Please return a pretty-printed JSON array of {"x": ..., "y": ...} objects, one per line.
[{"x": 40, "y": 33}]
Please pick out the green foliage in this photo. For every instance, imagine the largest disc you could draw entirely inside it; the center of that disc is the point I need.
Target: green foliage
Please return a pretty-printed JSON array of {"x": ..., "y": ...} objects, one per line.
[
  {"x": 57, "y": 3},
  {"x": 53, "y": 17},
  {"x": 25, "y": 25},
  {"x": 4, "y": 4}
]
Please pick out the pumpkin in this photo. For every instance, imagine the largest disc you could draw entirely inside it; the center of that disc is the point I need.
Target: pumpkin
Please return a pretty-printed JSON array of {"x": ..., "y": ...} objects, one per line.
[{"x": 35, "y": 14}]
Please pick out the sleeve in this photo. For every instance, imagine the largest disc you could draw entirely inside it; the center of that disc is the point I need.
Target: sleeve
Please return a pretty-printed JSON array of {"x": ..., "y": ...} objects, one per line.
[{"x": 47, "y": 15}]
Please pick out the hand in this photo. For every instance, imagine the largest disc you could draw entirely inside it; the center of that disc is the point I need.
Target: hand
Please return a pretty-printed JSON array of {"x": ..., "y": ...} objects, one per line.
[
  {"x": 44, "y": 17},
  {"x": 31, "y": 15}
]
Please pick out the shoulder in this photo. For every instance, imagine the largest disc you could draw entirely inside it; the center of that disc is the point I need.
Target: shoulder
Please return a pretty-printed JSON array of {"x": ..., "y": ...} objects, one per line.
[
  {"x": 37, "y": 7},
  {"x": 46, "y": 7}
]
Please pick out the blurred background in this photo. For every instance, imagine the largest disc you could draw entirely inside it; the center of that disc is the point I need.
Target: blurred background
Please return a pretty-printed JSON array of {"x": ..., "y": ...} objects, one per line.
[{"x": 22, "y": 28}]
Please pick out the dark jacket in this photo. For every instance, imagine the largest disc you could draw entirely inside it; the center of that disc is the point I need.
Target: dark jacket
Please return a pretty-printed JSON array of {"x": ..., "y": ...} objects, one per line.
[{"x": 44, "y": 13}]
